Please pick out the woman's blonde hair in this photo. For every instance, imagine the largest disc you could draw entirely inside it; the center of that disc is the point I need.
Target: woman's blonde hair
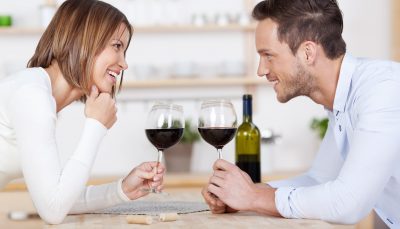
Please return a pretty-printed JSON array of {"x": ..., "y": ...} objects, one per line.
[{"x": 78, "y": 32}]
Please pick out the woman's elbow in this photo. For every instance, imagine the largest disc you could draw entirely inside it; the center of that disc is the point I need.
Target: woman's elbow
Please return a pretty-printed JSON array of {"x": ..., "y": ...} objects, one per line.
[{"x": 52, "y": 217}]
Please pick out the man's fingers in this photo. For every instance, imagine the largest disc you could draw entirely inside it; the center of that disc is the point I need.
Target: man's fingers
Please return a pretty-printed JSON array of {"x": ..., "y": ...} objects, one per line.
[
  {"x": 217, "y": 181},
  {"x": 207, "y": 197},
  {"x": 217, "y": 210},
  {"x": 220, "y": 203},
  {"x": 219, "y": 173},
  {"x": 230, "y": 210},
  {"x": 223, "y": 165},
  {"x": 213, "y": 189}
]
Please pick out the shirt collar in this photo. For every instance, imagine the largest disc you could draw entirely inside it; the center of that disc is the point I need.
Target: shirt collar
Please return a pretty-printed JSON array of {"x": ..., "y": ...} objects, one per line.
[{"x": 343, "y": 86}]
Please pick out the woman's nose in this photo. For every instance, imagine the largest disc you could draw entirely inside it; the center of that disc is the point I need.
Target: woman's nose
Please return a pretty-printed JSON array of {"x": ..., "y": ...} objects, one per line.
[{"x": 123, "y": 64}]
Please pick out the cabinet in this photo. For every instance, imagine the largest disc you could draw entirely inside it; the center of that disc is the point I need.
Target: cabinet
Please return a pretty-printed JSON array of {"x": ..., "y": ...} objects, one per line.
[
  {"x": 247, "y": 78},
  {"x": 396, "y": 30}
]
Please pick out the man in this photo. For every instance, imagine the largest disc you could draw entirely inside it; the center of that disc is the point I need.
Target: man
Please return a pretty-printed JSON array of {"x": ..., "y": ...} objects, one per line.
[{"x": 356, "y": 168}]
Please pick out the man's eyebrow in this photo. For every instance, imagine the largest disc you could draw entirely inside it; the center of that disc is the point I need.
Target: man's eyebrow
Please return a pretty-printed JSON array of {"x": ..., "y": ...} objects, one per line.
[{"x": 263, "y": 50}]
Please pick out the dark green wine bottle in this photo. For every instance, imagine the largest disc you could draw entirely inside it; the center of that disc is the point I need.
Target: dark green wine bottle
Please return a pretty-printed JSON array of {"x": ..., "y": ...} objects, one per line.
[{"x": 248, "y": 143}]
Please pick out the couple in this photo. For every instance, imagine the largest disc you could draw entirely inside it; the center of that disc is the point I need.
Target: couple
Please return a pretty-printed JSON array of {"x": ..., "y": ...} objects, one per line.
[{"x": 301, "y": 51}]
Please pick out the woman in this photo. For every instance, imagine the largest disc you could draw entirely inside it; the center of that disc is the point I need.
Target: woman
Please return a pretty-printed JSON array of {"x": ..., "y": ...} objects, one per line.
[{"x": 79, "y": 57}]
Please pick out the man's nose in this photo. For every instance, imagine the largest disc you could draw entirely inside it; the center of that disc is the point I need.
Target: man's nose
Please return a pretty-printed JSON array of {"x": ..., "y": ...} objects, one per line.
[{"x": 263, "y": 69}]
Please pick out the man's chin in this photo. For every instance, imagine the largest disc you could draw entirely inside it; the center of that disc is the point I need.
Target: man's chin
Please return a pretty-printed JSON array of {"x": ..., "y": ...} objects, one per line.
[{"x": 283, "y": 99}]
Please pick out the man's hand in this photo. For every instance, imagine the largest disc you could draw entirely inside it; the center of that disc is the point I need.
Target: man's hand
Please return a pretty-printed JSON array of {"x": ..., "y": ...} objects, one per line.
[
  {"x": 234, "y": 188},
  {"x": 142, "y": 178},
  {"x": 215, "y": 204},
  {"x": 231, "y": 185}
]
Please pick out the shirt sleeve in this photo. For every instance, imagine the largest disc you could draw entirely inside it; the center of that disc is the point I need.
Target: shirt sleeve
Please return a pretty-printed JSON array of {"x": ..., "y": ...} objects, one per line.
[
  {"x": 54, "y": 189},
  {"x": 325, "y": 167},
  {"x": 97, "y": 197},
  {"x": 373, "y": 156}
]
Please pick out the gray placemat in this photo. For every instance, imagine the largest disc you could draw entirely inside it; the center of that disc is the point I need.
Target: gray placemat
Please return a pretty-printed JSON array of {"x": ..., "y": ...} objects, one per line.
[{"x": 155, "y": 208}]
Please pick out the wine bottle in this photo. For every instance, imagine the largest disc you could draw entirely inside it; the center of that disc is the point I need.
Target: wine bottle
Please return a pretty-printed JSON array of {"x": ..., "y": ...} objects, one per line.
[{"x": 248, "y": 143}]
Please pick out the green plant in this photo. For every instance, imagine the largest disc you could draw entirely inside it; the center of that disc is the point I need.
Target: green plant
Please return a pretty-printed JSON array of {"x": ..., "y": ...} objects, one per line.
[
  {"x": 190, "y": 133},
  {"x": 320, "y": 126}
]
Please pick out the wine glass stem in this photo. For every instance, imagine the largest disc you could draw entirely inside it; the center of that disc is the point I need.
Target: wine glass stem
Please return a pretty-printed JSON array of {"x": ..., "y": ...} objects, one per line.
[
  {"x": 159, "y": 159},
  {"x": 219, "y": 153}
]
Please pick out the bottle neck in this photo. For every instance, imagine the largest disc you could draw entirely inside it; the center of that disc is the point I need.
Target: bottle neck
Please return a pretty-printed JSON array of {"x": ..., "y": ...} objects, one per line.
[{"x": 247, "y": 110}]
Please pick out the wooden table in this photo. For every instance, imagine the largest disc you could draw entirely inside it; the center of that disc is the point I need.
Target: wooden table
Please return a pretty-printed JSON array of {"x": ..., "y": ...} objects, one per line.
[
  {"x": 182, "y": 187},
  {"x": 21, "y": 201}
]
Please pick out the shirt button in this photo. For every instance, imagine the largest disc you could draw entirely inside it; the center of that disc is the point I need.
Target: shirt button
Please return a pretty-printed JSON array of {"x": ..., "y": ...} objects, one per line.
[
  {"x": 390, "y": 221},
  {"x": 340, "y": 128}
]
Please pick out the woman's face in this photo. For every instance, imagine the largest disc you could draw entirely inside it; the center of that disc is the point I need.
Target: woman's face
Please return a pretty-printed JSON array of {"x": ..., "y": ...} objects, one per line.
[{"x": 111, "y": 61}]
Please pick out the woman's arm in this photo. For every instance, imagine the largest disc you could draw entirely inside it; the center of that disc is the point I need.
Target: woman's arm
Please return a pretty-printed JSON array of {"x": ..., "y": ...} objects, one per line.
[{"x": 54, "y": 189}]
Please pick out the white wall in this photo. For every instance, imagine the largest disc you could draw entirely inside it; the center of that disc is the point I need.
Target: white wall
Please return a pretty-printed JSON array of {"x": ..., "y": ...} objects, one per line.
[
  {"x": 367, "y": 27},
  {"x": 366, "y": 31}
]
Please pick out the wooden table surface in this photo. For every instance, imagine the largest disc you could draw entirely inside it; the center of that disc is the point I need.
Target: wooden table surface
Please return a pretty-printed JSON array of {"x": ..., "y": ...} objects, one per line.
[
  {"x": 181, "y": 187},
  {"x": 21, "y": 201}
]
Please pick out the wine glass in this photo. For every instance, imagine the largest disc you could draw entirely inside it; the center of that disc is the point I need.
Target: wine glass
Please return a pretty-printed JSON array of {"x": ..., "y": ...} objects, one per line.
[
  {"x": 164, "y": 128},
  {"x": 217, "y": 123}
]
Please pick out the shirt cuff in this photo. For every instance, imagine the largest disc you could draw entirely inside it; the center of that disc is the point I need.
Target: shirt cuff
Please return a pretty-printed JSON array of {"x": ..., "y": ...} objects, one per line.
[
  {"x": 283, "y": 201},
  {"x": 121, "y": 193}
]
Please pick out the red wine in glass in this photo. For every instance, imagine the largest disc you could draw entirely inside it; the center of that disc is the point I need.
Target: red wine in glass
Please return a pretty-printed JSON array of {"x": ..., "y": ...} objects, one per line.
[
  {"x": 164, "y": 128},
  {"x": 164, "y": 138},
  {"x": 217, "y": 123},
  {"x": 217, "y": 136}
]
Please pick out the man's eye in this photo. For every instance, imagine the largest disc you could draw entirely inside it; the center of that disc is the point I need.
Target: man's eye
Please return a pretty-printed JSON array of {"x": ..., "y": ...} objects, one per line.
[{"x": 267, "y": 56}]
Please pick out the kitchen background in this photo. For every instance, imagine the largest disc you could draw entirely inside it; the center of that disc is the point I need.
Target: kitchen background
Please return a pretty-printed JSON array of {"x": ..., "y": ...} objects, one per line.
[{"x": 184, "y": 51}]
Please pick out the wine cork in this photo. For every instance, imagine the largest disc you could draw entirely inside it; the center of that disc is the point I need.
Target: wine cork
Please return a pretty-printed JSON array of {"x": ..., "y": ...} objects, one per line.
[
  {"x": 22, "y": 215},
  {"x": 139, "y": 219},
  {"x": 166, "y": 217}
]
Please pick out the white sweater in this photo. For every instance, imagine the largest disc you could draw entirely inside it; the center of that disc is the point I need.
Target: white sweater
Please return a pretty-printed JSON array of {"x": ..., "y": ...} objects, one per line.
[{"x": 28, "y": 148}]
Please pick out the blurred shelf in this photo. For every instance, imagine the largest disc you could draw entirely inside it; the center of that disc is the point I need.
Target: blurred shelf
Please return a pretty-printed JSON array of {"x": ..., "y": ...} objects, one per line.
[
  {"x": 172, "y": 180},
  {"x": 192, "y": 28},
  {"x": 144, "y": 29},
  {"x": 196, "y": 82},
  {"x": 20, "y": 31}
]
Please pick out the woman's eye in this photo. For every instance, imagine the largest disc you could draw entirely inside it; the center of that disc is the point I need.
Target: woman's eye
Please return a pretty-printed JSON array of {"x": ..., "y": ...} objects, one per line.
[{"x": 117, "y": 46}]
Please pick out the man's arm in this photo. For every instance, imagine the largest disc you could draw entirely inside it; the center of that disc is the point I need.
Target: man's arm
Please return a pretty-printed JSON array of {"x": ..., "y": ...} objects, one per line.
[
  {"x": 372, "y": 159},
  {"x": 326, "y": 165}
]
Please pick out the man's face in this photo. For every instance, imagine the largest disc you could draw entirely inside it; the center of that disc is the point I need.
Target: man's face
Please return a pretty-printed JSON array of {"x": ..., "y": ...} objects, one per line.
[{"x": 277, "y": 62}]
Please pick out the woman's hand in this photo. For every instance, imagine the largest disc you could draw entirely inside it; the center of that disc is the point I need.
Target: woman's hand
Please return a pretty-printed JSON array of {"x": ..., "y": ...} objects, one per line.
[
  {"x": 101, "y": 106},
  {"x": 142, "y": 178}
]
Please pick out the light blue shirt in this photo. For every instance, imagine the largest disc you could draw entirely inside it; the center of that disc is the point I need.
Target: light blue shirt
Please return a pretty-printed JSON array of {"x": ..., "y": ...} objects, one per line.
[{"x": 357, "y": 167}]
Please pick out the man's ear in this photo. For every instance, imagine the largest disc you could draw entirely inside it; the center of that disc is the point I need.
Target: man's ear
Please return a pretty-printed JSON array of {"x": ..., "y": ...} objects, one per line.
[{"x": 309, "y": 51}]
